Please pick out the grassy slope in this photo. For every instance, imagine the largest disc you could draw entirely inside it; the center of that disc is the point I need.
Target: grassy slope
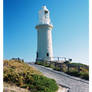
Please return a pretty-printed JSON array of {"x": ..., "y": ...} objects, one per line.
[{"x": 27, "y": 77}]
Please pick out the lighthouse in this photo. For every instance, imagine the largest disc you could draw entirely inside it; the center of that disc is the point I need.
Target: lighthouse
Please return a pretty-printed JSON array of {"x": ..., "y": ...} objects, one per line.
[{"x": 44, "y": 36}]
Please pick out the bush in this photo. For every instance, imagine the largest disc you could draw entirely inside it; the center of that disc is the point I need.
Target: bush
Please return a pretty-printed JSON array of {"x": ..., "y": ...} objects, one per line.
[
  {"x": 57, "y": 68},
  {"x": 25, "y": 76},
  {"x": 44, "y": 84},
  {"x": 73, "y": 73},
  {"x": 84, "y": 75}
]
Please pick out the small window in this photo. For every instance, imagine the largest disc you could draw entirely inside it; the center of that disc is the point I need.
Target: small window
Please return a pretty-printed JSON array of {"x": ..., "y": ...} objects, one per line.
[
  {"x": 46, "y": 12},
  {"x": 37, "y": 54},
  {"x": 47, "y": 54}
]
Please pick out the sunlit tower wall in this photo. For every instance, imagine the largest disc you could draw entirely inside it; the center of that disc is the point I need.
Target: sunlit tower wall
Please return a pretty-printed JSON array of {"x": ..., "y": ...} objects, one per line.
[{"x": 44, "y": 36}]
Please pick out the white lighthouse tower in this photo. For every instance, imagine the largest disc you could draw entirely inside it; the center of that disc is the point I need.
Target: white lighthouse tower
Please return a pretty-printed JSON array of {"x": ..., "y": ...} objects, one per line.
[{"x": 44, "y": 36}]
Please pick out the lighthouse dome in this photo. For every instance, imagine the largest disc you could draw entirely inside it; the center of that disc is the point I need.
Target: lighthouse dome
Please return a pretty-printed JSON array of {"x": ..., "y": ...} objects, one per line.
[
  {"x": 45, "y": 8},
  {"x": 44, "y": 17}
]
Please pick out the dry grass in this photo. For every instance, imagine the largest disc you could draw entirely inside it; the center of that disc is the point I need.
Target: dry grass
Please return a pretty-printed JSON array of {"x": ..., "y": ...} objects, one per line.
[
  {"x": 19, "y": 67},
  {"x": 27, "y": 77}
]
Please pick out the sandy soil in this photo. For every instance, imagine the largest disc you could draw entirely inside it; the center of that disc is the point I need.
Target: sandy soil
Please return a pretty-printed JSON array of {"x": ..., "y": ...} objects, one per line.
[
  {"x": 13, "y": 88},
  {"x": 62, "y": 89}
]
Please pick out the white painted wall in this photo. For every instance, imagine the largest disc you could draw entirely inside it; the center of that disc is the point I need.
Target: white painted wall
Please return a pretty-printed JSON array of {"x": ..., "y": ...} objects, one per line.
[{"x": 44, "y": 41}]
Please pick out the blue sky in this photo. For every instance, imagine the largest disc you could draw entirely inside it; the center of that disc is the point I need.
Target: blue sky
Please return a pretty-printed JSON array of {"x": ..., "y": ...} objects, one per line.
[{"x": 70, "y": 33}]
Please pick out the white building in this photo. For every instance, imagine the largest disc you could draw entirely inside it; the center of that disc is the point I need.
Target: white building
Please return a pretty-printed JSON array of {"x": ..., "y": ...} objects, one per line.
[{"x": 44, "y": 36}]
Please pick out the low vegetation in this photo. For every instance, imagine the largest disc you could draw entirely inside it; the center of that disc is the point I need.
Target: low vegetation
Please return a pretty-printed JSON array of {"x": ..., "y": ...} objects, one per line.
[
  {"x": 83, "y": 71},
  {"x": 22, "y": 75}
]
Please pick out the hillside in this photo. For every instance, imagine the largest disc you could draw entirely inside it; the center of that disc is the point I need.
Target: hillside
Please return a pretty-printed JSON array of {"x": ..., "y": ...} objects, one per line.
[
  {"x": 18, "y": 73},
  {"x": 71, "y": 68}
]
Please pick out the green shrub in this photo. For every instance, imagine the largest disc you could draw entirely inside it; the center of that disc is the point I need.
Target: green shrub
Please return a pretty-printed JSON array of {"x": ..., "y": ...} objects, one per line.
[
  {"x": 52, "y": 66},
  {"x": 25, "y": 76},
  {"x": 44, "y": 84},
  {"x": 73, "y": 73},
  {"x": 84, "y": 75},
  {"x": 57, "y": 68}
]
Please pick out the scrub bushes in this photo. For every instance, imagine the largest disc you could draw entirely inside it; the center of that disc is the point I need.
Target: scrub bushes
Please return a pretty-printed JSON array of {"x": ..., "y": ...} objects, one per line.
[
  {"x": 24, "y": 76},
  {"x": 73, "y": 71}
]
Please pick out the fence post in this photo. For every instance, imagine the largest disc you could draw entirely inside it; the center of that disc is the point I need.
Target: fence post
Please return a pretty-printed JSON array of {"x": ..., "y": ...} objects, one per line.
[
  {"x": 68, "y": 66},
  {"x": 61, "y": 67},
  {"x": 49, "y": 63},
  {"x": 55, "y": 64},
  {"x": 43, "y": 63},
  {"x": 78, "y": 69}
]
